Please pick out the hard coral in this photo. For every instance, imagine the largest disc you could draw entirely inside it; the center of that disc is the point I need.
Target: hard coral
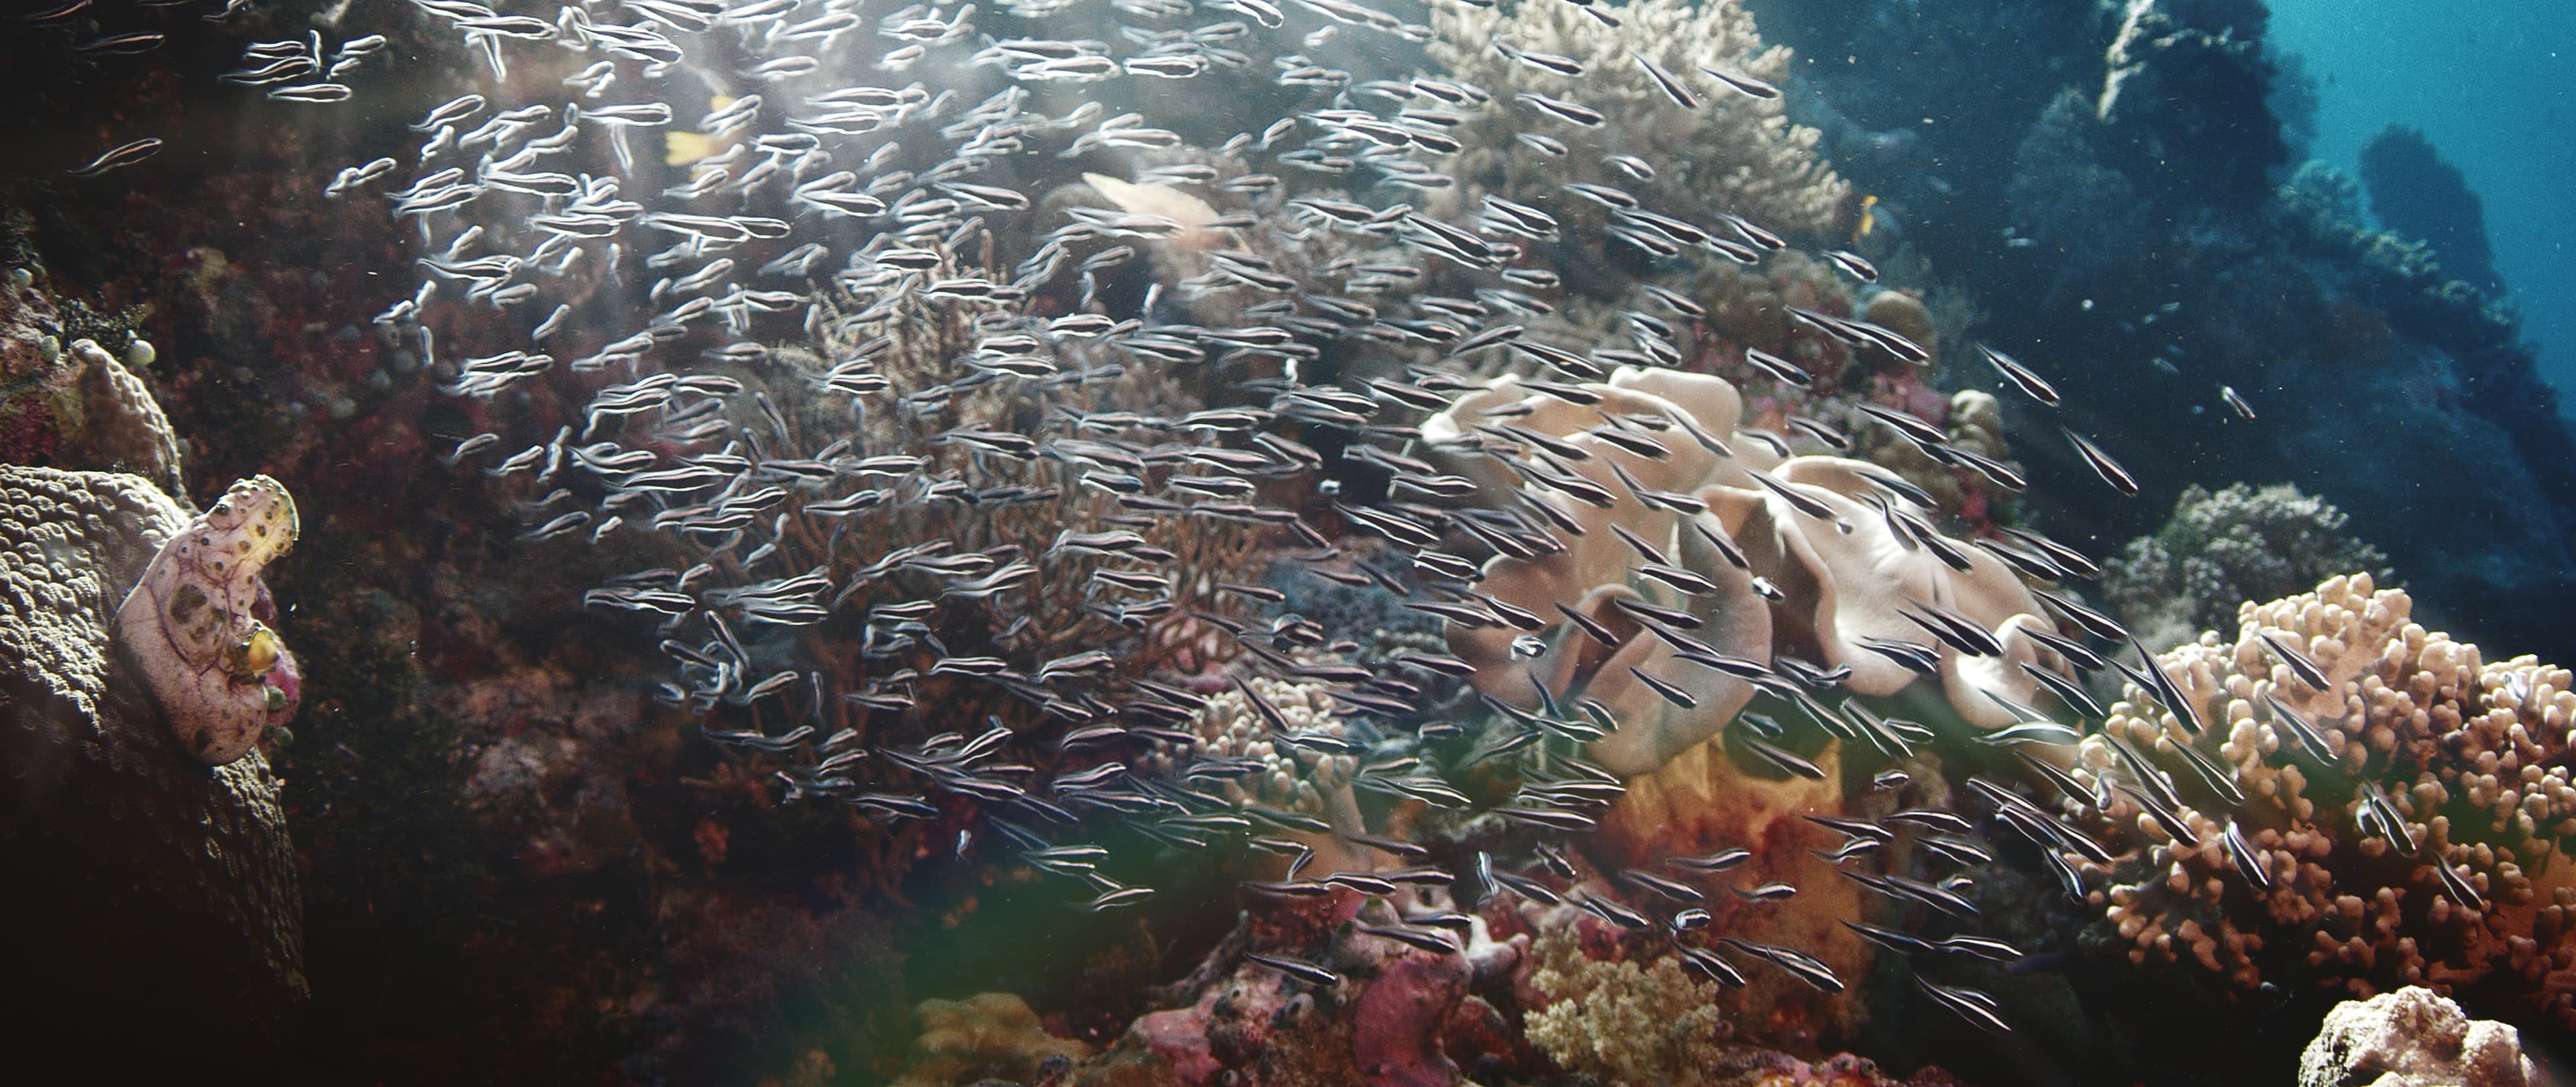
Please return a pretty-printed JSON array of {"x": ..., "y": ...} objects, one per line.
[
  {"x": 2220, "y": 549},
  {"x": 67, "y": 402},
  {"x": 2413, "y": 1038},
  {"x": 1660, "y": 1025},
  {"x": 1733, "y": 154},
  {"x": 2421, "y": 195},
  {"x": 104, "y": 804},
  {"x": 1250, "y": 1025},
  {"x": 1628, "y": 1025},
  {"x": 985, "y": 1036},
  {"x": 1291, "y": 777},
  {"x": 2470, "y": 757}
]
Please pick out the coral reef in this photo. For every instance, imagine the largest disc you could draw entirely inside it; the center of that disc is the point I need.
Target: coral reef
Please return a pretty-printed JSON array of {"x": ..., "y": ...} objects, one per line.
[
  {"x": 2163, "y": 239},
  {"x": 2185, "y": 73},
  {"x": 1841, "y": 577},
  {"x": 2413, "y": 1038},
  {"x": 2417, "y": 194},
  {"x": 1375, "y": 1014},
  {"x": 2406, "y": 823},
  {"x": 2222, "y": 548},
  {"x": 1660, "y": 1024},
  {"x": 1733, "y": 154},
  {"x": 168, "y": 889},
  {"x": 1299, "y": 768},
  {"x": 985, "y": 1036},
  {"x": 66, "y": 401},
  {"x": 104, "y": 804}
]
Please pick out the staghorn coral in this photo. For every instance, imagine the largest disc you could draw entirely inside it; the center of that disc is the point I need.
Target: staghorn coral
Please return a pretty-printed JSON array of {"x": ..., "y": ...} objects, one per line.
[
  {"x": 2413, "y": 1038},
  {"x": 1733, "y": 154},
  {"x": 2469, "y": 754},
  {"x": 2222, "y": 548}
]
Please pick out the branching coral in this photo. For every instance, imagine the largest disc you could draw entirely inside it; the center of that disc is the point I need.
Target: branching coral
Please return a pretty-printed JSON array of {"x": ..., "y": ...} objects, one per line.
[
  {"x": 1734, "y": 153},
  {"x": 942, "y": 503},
  {"x": 1625, "y": 1024},
  {"x": 2473, "y": 896},
  {"x": 1289, "y": 776},
  {"x": 2221, "y": 549}
]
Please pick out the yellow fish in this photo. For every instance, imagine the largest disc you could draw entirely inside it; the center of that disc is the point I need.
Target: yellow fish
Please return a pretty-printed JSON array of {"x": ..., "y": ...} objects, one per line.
[
  {"x": 683, "y": 148},
  {"x": 1868, "y": 219}
]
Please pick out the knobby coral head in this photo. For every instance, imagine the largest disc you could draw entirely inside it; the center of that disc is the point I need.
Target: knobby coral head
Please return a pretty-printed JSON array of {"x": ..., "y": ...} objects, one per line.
[{"x": 193, "y": 626}]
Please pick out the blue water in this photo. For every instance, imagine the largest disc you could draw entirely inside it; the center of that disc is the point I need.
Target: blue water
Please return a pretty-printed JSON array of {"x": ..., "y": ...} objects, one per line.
[{"x": 2489, "y": 83}]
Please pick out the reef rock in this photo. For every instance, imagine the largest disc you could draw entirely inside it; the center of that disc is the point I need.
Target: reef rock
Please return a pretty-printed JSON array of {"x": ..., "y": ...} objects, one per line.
[
  {"x": 2413, "y": 1038},
  {"x": 984, "y": 1036},
  {"x": 2219, "y": 549},
  {"x": 156, "y": 897},
  {"x": 72, "y": 404},
  {"x": 154, "y": 922}
]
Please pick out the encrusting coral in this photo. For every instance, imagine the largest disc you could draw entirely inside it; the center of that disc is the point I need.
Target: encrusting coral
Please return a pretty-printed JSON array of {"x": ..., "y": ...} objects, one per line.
[
  {"x": 2222, "y": 548},
  {"x": 67, "y": 402},
  {"x": 983, "y": 1037},
  {"x": 2408, "y": 824}
]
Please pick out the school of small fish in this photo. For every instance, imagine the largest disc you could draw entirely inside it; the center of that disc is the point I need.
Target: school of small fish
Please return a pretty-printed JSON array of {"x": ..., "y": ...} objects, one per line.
[{"x": 830, "y": 336}]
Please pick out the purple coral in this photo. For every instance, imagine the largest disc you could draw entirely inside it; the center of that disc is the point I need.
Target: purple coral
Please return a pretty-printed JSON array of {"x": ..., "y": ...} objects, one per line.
[{"x": 193, "y": 628}]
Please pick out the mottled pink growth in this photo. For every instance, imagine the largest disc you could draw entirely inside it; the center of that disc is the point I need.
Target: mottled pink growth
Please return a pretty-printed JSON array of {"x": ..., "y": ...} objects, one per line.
[
  {"x": 191, "y": 627},
  {"x": 1396, "y": 1042}
]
